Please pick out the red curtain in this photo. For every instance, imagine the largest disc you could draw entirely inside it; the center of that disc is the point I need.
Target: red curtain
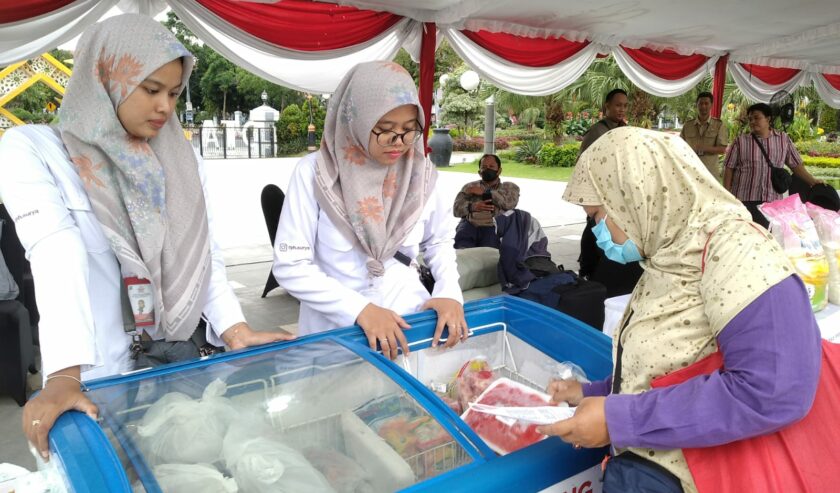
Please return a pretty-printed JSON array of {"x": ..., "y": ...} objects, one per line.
[
  {"x": 667, "y": 64},
  {"x": 303, "y": 25},
  {"x": 718, "y": 85},
  {"x": 18, "y": 10},
  {"x": 427, "y": 74},
  {"x": 530, "y": 52},
  {"x": 770, "y": 75},
  {"x": 833, "y": 79}
]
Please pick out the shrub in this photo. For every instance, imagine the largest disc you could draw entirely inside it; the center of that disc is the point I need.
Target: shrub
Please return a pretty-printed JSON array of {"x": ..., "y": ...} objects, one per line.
[
  {"x": 828, "y": 119},
  {"x": 576, "y": 127},
  {"x": 552, "y": 155},
  {"x": 507, "y": 155},
  {"x": 821, "y": 162},
  {"x": 476, "y": 144},
  {"x": 529, "y": 151},
  {"x": 814, "y": 148}
]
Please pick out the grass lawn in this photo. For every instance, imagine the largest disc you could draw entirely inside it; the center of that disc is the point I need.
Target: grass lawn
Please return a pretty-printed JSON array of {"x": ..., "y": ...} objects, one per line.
[{"x": 515, "y": 169}]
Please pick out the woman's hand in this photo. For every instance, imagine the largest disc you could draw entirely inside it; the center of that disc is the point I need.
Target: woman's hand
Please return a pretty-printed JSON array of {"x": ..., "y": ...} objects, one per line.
[
  {"x": 385, "y": 326},
  {"x": 58, "y": 396},
  {"x": 241, "y": 335},
  {"x": 569, "y": 391},
  {"x": 587, "y": 428},
  {"x": 450, "y": 315}
]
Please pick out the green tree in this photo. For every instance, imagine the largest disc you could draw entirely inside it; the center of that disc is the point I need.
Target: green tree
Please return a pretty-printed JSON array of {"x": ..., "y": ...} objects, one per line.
[
  {"x": 219, "y": 79},
  {"x": 459, "y": 105}
]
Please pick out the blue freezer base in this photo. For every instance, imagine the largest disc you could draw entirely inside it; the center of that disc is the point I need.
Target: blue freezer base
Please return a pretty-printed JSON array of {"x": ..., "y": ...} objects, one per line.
[{"x": 314, "y": 390}]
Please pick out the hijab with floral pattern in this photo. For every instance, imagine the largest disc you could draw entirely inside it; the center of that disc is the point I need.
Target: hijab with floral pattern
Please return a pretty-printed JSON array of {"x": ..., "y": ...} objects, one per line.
[
  {"x": 373, "y": 205},
  {"x": 147, "y": 195},
  {"x": 656, "y": 189}
]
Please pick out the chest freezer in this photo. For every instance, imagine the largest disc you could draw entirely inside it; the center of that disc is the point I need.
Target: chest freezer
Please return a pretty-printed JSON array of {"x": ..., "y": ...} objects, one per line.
[{"x": 324, "y": 413}]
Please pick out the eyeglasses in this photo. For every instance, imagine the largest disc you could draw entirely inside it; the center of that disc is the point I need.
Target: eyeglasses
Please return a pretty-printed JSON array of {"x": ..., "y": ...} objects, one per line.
[{"x": 390, "y": 138}]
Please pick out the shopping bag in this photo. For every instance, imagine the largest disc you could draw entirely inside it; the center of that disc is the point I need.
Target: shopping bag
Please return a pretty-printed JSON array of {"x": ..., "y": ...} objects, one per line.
[{"x": 801, "y": 457}]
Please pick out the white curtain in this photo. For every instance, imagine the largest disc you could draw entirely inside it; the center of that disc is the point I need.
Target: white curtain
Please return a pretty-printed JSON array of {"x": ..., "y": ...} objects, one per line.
[
  {"x": 315, "y": 72},
  {"x": 758, "y": 90},
  {"x": 827, "y": 92},
  {"x": 658, "y": 86},
  {"x": 530, "y": 81},
  {"x": 32, "y": 37}
]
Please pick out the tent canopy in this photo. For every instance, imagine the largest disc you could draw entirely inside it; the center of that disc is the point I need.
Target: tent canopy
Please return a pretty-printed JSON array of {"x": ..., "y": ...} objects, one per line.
[{"x": 527, "y": 46}]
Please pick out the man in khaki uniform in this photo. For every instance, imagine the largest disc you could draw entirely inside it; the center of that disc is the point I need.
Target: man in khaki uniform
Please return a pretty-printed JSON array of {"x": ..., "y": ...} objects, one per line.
[{"x": 706, "y": 135}]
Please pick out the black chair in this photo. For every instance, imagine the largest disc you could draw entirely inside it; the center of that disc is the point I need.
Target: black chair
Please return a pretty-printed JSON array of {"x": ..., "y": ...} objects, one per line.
[
  {"x": 15, "y": 256},
  {"x": 272, "y": 199}
]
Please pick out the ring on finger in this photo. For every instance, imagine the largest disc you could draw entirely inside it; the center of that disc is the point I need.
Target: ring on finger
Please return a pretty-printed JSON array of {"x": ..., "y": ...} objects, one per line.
[{"x": 36, "y": 422}]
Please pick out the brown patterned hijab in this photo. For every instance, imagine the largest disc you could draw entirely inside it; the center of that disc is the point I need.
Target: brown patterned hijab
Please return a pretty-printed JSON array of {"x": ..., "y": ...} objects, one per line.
[
  {"x": 373, "y": 205},
  {"x": 147, "y": 195}
]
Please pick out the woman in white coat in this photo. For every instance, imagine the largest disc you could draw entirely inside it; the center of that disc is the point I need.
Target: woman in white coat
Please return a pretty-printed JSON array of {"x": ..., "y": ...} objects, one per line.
[
  {"x": 350, "y": 207},
  {"x": 110, "y": 207}
]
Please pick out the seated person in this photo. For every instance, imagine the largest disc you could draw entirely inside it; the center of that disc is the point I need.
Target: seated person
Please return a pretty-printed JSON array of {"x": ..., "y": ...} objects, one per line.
[{"x": 479, "y": 202}]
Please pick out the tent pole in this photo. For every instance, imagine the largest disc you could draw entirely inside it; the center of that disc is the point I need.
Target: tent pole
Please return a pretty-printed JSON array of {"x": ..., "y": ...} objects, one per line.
[
  {"x": 427, "y": 74},
  {"x": 718, "y": 85}
]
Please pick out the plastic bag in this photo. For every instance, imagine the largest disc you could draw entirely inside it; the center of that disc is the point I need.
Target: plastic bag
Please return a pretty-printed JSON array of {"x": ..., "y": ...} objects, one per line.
[
  {"x": 828, "y": 228},
  {"x": 261, "y": 464},
  {"x": 566, "y": 370},
  {"x": 178, "y": 429},
  {"x": 192, "y": 478},
  {"x": 342, "y": 472},
  {"x": 472, "y": 379},
  {"x": 795, "y": 231}
]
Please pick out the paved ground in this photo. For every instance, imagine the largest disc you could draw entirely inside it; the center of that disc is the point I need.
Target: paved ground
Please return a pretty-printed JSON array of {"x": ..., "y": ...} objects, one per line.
[{"x": 235, "y": 187}]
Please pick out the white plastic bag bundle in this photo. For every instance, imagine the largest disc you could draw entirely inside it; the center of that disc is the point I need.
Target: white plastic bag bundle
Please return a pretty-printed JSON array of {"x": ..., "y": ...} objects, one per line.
[
  {"x": 342, "y": 472},
  {"x": 261, "y": 464},
  {"x": 193, "y": 478},
  {"x": 178, "y": 429},
  {"x": 828, "y": 228}
]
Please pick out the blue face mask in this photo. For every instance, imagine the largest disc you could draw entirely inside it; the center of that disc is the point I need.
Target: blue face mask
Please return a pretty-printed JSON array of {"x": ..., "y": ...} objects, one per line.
[{"x": 623, "y": 254}]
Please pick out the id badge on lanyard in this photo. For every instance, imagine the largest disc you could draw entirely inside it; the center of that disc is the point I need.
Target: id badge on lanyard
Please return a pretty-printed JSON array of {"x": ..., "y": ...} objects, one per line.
[{"x": 142, "y": 301}]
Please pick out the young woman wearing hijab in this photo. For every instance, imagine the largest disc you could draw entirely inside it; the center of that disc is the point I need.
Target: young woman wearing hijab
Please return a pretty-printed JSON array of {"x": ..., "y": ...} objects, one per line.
[
  {"x": 110, "y": 204},
  {"x": 366, "y": 195},
  {"x": 712, "y": 279}
]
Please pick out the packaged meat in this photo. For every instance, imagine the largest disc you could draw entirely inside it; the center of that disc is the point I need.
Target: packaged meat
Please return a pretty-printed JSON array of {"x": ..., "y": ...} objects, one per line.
[
  {"x": 472, "y": 379},
  {"x": 500, "y": 435}
]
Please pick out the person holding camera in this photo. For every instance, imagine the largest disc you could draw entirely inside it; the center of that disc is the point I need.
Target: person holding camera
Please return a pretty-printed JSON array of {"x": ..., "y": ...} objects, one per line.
[{"x": 479, "y": 202}]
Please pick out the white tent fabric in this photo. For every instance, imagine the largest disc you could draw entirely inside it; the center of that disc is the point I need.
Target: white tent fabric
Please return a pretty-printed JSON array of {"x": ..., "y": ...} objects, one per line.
[
  {"x": 316, "y": 72},
  {"x": 827, "y": 92},
  {"x": 758, "y": 90},
  {"x": 656, "y": 85},
  {"x": 531, "y": 81},
  {"x": 32, "y": 37}
]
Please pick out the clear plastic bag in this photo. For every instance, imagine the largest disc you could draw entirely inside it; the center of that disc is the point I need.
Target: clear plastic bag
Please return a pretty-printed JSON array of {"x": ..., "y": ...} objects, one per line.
[
  {"x": 566, "y": 370},
  {"x": 192, "y": 478},
  {"x": 260, "y": 463},
  {"x": 178, "y": 429},
  {"x": 342, "y": 472},
  {"x": 828, "y": 228}
]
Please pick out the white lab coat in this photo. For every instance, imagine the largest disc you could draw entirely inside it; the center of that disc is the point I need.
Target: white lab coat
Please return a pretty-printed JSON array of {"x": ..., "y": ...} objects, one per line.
[
  {"x": 318, "y": 266},
  {"x": 77, "y": 276}
]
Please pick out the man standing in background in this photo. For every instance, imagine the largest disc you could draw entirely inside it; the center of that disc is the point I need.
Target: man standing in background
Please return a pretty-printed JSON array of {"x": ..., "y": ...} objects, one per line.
[{"x": 706, "y": 135}]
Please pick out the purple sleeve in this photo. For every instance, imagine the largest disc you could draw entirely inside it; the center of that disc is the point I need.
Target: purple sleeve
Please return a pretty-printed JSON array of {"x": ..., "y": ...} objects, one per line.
[
  {"x": 772, "y": 356},
  {"x": 597, "y": 389}
]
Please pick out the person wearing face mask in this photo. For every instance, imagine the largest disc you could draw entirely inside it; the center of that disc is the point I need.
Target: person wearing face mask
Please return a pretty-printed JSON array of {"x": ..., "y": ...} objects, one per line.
[
  {"x": 713, "y": 281},
  {"x": 479, "y": 202},
  {"x": 617, "y": 274},
  {"x": 368, "y": 194}
]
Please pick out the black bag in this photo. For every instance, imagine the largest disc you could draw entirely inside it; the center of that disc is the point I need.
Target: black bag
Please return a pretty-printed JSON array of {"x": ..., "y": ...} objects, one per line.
[
  {"x": 425, "y": 274},
  {"x": 568, "y": 293},
  {"x": 779, "y": 177}
]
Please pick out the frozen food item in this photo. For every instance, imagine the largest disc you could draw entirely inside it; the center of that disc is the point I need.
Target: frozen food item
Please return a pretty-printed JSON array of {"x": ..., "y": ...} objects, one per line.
[
  {"x": 179, "y": 429},
  {"x": 795, "y": 231},
  {"x": 452, "y": 403},
  {"x": 472, "y": 379},
  {"x": 828, "y": 228},
  {"x": 192, "y": 478},
  {"x": 501, "y": 436},
  {"x": 342, "y": 472},
  {"x": 540, "y": 415},
  {"x": 388, "y": 471},
  {"x": 260, "y": 463},
  {"x": 410, "y": 435}
]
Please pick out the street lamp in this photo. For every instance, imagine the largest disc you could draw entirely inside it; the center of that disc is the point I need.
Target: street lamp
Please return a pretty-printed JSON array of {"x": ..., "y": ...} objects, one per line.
[
  {"x": 310, "y": 130},
  {"x": 264, "y": 97}
]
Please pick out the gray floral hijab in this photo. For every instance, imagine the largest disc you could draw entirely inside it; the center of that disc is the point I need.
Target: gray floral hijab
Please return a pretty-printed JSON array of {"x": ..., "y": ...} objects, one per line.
[
  {"x": 373, "y": 205},
  {"x": 147, "y": 195}
]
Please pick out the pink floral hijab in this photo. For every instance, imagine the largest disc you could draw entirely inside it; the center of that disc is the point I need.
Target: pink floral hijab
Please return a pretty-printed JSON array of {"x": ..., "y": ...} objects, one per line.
[
  {"x": 373, "y": 205},
  {"x": 146, "y": 195}
]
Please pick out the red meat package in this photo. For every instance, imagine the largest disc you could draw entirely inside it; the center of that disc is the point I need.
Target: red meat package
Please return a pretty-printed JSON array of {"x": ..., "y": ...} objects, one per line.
[
  {"x": 505, "y": 438},
  {"x": 473, "y": 379}
]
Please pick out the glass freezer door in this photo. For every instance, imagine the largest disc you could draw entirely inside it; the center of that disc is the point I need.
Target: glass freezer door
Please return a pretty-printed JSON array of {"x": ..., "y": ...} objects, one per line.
[{"x": 308, "y": 417}]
